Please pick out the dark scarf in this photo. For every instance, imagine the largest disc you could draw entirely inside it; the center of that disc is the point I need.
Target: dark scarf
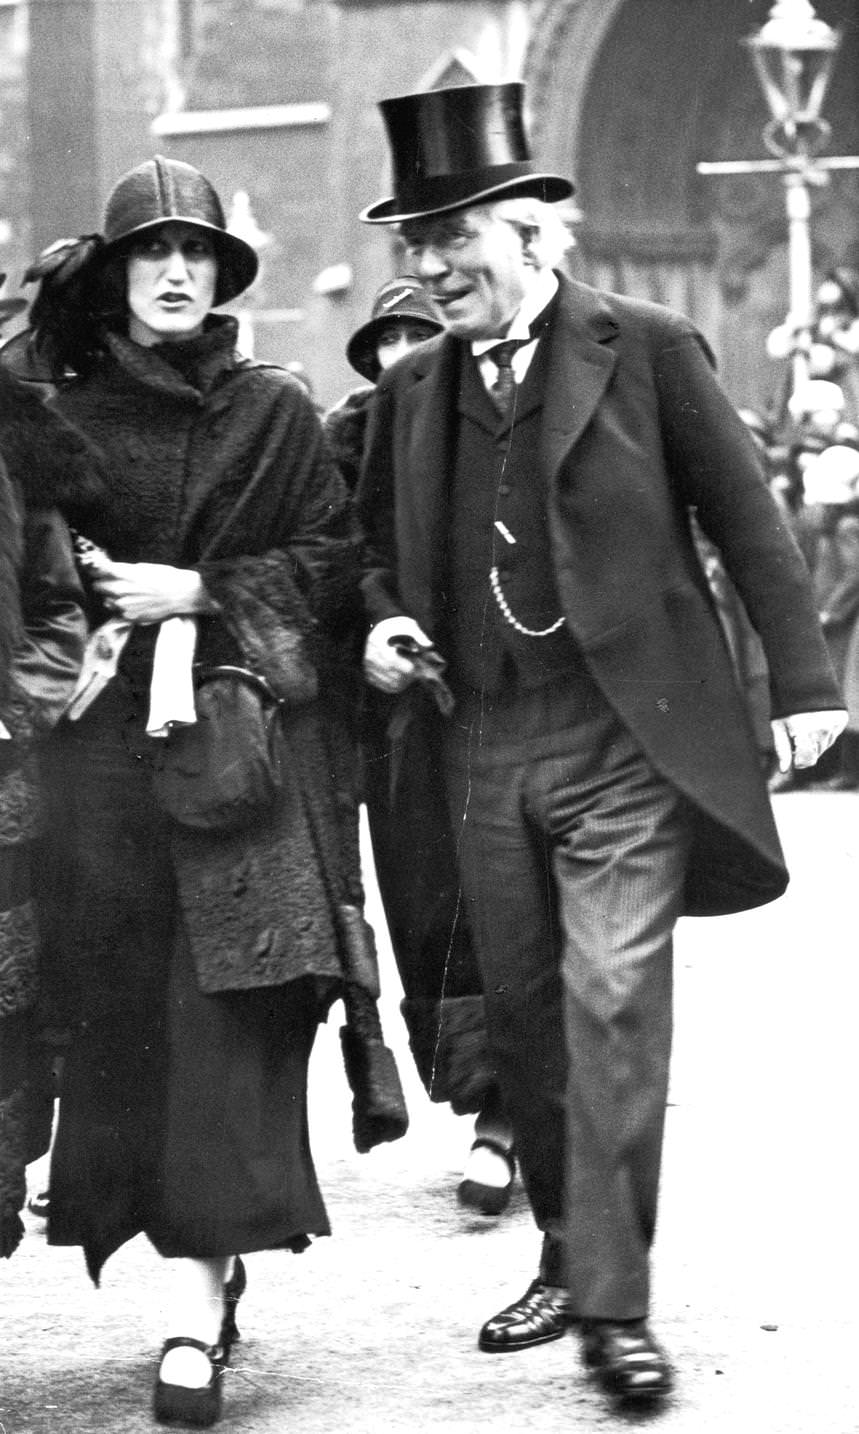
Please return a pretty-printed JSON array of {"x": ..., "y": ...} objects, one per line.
[{"x": 193, "y": 364}]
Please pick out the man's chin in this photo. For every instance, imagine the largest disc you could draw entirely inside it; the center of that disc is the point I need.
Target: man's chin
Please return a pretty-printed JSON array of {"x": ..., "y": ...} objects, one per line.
[{"x": 464, "y": 326}]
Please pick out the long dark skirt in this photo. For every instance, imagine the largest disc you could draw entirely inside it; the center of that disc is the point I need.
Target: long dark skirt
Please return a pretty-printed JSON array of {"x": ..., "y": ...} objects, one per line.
[{"x": 182, "y": 1115}]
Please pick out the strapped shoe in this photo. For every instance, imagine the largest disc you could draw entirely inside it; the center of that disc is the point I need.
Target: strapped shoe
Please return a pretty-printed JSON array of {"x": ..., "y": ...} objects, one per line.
[
  {"x": 40, "y": 1205},
  {"x": 200, "y": 1407},
  {"x": 542, "y": 1314},
  {"x": 476, "y": 1194},
  {"x": 233, "y": 1291},
  {"x": 626, "y": 1359}
]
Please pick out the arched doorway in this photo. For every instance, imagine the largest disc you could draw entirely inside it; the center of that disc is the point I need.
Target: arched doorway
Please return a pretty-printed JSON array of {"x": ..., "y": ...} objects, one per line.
[{"x": 627, "y": 96}]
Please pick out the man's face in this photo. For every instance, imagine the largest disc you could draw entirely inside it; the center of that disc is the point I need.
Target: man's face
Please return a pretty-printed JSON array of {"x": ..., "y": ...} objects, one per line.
[{"x": 472, "y": 264}]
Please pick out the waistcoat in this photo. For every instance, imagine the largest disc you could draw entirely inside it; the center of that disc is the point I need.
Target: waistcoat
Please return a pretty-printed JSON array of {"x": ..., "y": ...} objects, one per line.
[{"x": 499, "y": 492}]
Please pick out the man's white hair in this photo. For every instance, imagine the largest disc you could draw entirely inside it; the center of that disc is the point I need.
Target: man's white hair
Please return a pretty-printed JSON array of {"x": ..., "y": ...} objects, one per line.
[{"x": 541, "y": 224}]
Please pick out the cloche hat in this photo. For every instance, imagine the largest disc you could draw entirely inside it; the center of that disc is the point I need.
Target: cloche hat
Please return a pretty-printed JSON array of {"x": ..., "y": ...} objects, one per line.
[
  {"x": 459, "y": 146},
  {"x": 402, "y": 298},
  {"x": 168, "y": 189}
]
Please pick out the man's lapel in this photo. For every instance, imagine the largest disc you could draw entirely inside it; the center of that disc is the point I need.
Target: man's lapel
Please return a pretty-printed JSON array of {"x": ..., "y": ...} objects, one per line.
[
  {"x": 581, "y": 360},
  {"x": 431, "y": 416},
  {"x": 428, "y": 439}
]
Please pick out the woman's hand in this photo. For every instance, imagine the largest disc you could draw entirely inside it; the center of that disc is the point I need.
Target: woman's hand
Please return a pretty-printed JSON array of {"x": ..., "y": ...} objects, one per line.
[{"x": 149, "y": 592}]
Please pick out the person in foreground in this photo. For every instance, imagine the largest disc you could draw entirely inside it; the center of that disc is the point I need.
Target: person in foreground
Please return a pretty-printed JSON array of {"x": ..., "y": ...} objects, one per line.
[
  {"x": 526, "y": 492},
  {"x": 42, "y": 635},
  {"x": 194, "y": 956}
]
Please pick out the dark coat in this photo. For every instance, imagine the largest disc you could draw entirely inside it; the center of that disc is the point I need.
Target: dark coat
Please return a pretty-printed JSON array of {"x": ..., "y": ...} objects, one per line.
[
  {"x": 415, "y": 863},
  {"x": 636, "y": 432},
  {"x": 345, "y": 425},
  {"x": 265, "y": 519},
  {"x": 42, "y": 634}
]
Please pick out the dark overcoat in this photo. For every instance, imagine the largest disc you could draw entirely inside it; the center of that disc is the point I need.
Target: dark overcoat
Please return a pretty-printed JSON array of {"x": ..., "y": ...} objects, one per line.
[
  {"x": 42, "y": 633},
  {"x": 261, "y": 513},
  {"x": 636, "y": 434}
]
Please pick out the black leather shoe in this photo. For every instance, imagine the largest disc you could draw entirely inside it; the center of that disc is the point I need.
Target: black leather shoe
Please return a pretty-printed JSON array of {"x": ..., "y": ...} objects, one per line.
[
  {"x": 488, "y": 1199},
  {"x": 626, "y": 1359},
  {"x": 40, "y": 1205},
  {"x": 542, "y": 1314},
  {"x": 197, "y": 1408}
]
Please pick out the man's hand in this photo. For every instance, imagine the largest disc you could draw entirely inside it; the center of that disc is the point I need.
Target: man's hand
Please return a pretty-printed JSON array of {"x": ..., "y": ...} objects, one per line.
[
  {"x": 148, "y": 592},
  {"x": 384, "y": 666},
  {"x": 802, "y": 739}
]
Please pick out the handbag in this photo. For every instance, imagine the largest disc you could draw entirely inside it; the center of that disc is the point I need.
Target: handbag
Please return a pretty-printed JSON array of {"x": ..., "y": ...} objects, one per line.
[{"x": 226, "y": 769}]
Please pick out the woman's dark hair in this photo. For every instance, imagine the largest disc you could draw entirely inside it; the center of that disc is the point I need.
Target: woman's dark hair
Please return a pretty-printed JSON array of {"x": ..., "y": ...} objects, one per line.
[
  {"x": 71, "y": 312},
  {"x": 79, "y": 297}
]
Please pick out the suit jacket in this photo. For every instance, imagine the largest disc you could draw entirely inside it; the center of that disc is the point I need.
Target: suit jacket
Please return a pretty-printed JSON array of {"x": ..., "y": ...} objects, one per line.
[{"x": 636, "y": 433}]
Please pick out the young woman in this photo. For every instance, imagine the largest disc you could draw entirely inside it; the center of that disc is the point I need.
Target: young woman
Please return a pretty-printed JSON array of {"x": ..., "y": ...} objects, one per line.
[{"x": 196, "y": 963}]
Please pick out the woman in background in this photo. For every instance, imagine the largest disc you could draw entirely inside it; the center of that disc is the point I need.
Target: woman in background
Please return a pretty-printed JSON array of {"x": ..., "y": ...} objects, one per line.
[{"x": 413, "y": 850}]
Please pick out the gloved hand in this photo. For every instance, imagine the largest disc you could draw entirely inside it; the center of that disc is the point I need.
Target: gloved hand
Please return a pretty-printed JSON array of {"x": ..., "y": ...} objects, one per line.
[
  {"x": 387, "y": 664},
  {"x": 801, "y": 740}
]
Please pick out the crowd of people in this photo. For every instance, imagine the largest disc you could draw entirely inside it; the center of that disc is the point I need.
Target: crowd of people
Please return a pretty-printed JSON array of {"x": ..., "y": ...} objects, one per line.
[
  {"x": 470, "y": 596},
  {"x": 809, "y": 446}
]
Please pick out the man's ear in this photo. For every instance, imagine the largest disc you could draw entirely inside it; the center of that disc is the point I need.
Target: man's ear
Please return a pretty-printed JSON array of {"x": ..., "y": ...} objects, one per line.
[{"x": 530, "y": 235}]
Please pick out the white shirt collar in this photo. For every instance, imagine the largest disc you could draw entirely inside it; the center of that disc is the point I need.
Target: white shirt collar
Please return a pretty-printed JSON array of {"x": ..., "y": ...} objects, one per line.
[{"x": 541, "y": 293}]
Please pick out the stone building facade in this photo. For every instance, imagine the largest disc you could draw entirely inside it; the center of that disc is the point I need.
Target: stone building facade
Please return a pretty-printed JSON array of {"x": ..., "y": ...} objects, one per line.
[{"x": 276, "y": 101}]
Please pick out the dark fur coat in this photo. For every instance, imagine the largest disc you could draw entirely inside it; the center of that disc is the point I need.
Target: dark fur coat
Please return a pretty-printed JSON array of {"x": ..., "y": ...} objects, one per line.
[
  {"x": 224, "y": 470},
  {"x": 43, "y": 462},
  {"x": 219, "y": 464}
]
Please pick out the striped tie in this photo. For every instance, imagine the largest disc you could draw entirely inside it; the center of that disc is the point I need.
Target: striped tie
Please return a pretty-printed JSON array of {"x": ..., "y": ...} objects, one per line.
[{"x": 503, "y": 390}]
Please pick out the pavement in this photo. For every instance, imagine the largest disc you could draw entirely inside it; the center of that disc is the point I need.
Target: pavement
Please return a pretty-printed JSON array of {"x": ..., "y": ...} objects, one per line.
[{"x": 373, "y": 1331}]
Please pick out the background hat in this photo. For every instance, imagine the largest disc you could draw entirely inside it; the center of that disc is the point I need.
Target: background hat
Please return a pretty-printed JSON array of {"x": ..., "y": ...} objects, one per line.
[
  {"x": 846, "y": 280},
  {"x": 8, "y": 307},
  {"x": 167, "y": 189},
  {"x": 402, "y": 299},
  {"x": 459, "y": 146},
  {"x": 816, "y": 394},
  {"x": 833, "y": 476}
]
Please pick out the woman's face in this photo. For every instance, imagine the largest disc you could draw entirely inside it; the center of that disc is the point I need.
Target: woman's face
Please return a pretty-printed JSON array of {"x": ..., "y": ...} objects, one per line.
[
  {"x": 399, "y": 337},
  {"x": 172, "y": 273}
]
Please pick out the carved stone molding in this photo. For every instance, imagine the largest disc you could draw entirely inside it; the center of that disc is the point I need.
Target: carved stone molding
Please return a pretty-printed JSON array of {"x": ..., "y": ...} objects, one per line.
[{"x": 565, "y": 39}]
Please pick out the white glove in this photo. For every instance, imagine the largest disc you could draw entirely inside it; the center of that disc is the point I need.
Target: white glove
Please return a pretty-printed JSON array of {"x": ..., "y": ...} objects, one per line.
[
  {"x": 171, "y": 691},
  {"x": 802, "y": 739},
  {"x": 384, "y": 666}
]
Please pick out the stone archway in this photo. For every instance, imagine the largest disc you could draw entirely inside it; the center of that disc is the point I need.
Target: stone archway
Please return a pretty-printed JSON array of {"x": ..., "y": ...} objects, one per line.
[{"x": 627, "y": 96}]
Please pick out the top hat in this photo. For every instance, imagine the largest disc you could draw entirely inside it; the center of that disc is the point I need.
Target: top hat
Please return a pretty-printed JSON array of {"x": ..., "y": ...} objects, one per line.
[
  {"x": 459, "y": 146},
  {"x": 400, "y": 299},
  {"x": 162, "y": 190}
]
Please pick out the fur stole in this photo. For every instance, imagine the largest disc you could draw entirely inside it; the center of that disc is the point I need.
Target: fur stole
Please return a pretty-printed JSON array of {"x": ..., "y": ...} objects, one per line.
[
  {"x": 48, "y": 459},
  {"x": 10, "y": 559}
]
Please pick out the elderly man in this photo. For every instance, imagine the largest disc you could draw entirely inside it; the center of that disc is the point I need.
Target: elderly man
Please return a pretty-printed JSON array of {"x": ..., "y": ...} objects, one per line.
[{"x": 527, "y": 491}]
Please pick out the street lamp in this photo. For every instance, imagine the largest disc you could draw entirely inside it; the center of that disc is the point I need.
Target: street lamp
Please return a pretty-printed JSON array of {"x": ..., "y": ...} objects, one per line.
[{"x": 793, "y": 54}]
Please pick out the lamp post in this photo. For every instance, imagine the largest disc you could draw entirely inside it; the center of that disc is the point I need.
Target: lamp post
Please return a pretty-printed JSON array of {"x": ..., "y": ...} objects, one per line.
[{"x": 793, "y": 54}]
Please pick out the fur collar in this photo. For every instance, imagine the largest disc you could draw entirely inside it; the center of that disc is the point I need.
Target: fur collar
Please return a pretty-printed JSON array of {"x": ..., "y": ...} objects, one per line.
[{"x": 49, "y": 460}]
